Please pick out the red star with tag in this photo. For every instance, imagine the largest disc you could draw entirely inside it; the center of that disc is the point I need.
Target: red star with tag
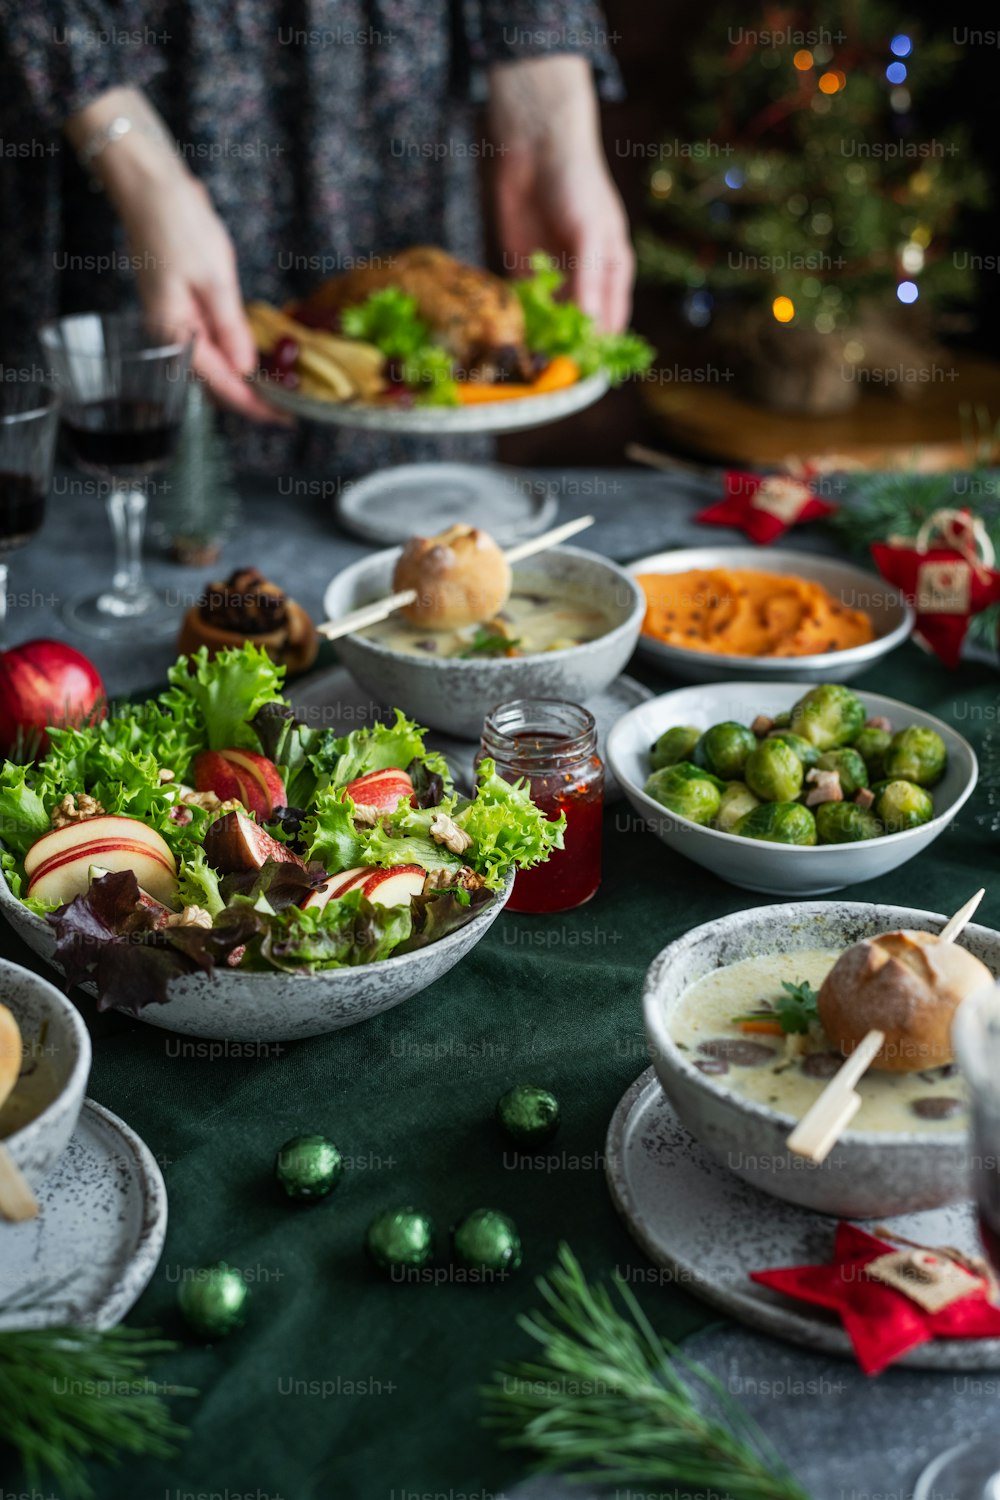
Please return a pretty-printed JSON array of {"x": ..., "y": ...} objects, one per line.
[
  {"x": 765, "y": 505},
  {"x": 883, "y": 1324}
]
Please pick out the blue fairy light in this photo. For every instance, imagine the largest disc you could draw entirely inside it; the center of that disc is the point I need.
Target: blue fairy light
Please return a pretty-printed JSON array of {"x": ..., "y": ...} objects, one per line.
[
  {"x": 901, "y": 46},
  {"x": 907, "y": 291},
  {"x": 896, "y": 72},
  {"x": 698, "y": 308},
  {"x": 734, "y": 178}
]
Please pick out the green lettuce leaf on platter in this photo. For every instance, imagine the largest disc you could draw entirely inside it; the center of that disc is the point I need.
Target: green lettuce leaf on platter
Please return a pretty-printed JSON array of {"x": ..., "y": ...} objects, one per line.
[
  {"x": 389, "y": 320},
  {"x": 553, "y": 327}
]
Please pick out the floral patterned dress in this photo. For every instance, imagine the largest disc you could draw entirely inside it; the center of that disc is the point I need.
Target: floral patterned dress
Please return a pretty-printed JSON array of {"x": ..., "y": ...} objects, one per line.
[{"x": 325, "y": 133}]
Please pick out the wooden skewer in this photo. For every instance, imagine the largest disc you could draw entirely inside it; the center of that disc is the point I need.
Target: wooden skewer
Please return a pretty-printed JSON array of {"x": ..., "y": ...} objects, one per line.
[
  {"x": 17, "y": 1201},
  {"x": 380, "y": 609},
  {"x": 951, "y": 929},
  {"x": 822, "y": 1125}
]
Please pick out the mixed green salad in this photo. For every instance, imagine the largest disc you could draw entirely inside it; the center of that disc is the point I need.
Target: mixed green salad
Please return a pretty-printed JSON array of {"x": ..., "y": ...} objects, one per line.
[{"x": 209, "y": 826}]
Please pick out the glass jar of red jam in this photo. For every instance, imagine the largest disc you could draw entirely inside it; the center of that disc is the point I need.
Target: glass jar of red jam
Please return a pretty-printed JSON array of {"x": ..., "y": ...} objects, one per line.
[{"x": 553, "y": 745}]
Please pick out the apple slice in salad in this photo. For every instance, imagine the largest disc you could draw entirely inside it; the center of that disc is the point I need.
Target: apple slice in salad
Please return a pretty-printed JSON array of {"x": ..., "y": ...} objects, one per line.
[{"x": 209, "y": 827}]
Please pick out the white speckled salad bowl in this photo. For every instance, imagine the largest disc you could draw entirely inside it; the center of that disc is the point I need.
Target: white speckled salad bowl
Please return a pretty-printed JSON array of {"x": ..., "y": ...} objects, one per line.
[
  {"x": 778, "y": 869},
  {"x": 242, "y": 1006},
  {"x": 455, "y": 695},
  {"x": 42, "y": 1012},
  {"x": 868, "y": 1174}
]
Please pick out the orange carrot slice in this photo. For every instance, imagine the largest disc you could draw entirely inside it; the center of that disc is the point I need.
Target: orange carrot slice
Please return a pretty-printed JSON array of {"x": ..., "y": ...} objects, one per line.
[
  {"x": 762, "y": 1028},
  {"x": 558, "y": 374}
]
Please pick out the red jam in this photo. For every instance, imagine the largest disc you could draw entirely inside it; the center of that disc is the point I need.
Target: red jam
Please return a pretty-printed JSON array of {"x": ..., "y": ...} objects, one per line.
[{"x": 553, "y": 745}]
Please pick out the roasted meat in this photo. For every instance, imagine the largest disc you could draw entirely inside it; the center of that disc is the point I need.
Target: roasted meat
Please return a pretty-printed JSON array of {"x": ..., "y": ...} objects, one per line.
[{"x": 471, "y": 313}]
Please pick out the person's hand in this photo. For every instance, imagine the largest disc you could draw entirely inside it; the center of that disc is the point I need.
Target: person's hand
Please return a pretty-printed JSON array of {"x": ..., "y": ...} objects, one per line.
[
  {"x": 185, "y": 264},
  {"x": 554, "y": 189}
]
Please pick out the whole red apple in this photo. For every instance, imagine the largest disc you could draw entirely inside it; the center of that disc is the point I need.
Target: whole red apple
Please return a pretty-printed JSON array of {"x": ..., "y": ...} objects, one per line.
[{"x": 45, "y": 684}]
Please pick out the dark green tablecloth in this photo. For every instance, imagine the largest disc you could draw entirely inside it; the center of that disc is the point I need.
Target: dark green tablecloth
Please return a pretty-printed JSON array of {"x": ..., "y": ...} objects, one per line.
[{"x": 410, "y": 1097}]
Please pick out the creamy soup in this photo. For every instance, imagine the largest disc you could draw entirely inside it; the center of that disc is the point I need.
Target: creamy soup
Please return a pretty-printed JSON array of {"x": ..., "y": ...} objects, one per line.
[
  {"x": 768, "y": 1069},
  {"x": 34, "y": 1091},
  {"x": 528, "y": 623}
]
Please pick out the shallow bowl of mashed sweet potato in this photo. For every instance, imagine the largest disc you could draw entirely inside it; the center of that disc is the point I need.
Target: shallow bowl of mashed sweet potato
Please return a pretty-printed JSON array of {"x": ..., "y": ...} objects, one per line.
[{"x": 722, "y": 613}]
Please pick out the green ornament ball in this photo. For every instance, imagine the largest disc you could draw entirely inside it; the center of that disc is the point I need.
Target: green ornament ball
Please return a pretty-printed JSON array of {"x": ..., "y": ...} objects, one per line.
[
  {"x": 400, "y": 1237},
  {"x": 487, "y": 1240},
  {"x": 528, "y": 1114},
  {"x": 308, "y": 1166},
  {"x": 213, "y": 1300}
]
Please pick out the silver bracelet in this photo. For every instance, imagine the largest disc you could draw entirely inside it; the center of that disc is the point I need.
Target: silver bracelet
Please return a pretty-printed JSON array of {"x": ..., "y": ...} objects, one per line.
[{"x": 113, "y": 131}]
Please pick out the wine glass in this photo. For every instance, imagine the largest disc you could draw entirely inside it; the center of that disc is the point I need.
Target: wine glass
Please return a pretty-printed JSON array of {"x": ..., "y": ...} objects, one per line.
[
  {"x": 971, "y": 1471},
  {"x": 29, "y": 419},
  {"x": 123, "y": 383}
]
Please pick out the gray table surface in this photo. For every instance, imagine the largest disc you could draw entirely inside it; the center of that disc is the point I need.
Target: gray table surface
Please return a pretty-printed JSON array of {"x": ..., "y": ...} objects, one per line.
[{"x": 872, "y": 1438}]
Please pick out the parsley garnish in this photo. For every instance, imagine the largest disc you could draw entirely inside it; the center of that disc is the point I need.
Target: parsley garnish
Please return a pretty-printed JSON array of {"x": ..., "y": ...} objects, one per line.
[
  {"x": 794, "y": 1011},
  {"x": 488, "y": 643}
]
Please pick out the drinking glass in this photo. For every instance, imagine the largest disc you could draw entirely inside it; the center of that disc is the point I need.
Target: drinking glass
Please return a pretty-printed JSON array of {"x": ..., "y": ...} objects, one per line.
[
  {"x": 123, "y": 383},
  {"x": 29, "y": 419},
  {"x": 971, "y": 1471}
]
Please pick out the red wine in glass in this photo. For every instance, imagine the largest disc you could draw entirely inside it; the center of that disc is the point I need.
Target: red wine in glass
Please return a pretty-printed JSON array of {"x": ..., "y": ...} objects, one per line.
[
  {"x": 124, "y": 387},
  {"x": 121, "y": 436},
  {"x": 22, "y": 510}
]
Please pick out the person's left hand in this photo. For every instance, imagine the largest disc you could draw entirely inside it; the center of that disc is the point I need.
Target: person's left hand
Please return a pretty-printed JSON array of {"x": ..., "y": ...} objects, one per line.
[{"x": 554, "y": 190}]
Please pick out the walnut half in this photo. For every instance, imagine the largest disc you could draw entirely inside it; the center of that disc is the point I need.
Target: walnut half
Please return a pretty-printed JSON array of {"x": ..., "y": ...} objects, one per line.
[
  {"x": 75, "y": 810},
  {"x": 444, "y": 831}
]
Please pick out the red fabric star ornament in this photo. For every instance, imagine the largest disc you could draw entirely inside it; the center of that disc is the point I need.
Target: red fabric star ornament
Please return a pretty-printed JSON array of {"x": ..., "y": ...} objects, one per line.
[
  {"x": 946, "y": 584},
  {"x": 883, "y": 1324},
  {"x": 764, "y": 505}
]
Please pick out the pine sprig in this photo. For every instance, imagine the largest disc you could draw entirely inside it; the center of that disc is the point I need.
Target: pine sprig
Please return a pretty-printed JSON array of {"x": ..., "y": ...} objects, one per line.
[
  {"x": 70, "y": 1396},
  {"x": 611, "y": 1401}
]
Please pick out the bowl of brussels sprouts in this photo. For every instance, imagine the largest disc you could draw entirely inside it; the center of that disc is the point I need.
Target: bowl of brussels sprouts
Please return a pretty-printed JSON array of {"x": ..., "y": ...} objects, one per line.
[{"x": 789, "y": 788}]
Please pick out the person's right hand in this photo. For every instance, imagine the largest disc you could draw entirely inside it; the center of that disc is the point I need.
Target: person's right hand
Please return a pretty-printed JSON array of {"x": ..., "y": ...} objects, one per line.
[
  {"x": 185, "y": 264},
  {"x": 187, "y": 279}
]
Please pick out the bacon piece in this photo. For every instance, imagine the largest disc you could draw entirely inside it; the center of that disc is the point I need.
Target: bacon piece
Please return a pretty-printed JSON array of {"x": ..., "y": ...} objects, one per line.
[{"x": 825, "y": 787}]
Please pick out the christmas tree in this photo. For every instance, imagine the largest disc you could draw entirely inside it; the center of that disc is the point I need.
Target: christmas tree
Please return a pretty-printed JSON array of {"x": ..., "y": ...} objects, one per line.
[{"x": 807, "y": 190}]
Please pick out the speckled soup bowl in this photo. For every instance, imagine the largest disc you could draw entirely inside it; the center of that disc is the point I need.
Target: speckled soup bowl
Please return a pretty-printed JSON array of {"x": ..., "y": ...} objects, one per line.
[
  {"x": 278, "y": 1007},
  {"x": 868, "y": 1174},
  {"x": 455, "y": 695},
  {"x": 52, "y": 1031}
]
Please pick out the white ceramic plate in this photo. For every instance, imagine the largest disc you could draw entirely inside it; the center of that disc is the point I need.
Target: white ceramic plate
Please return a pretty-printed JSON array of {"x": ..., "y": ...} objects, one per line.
[
  {"x": 100, "y": 1231},
  {"x": 442, "y": 421},
  {"x": 386, "y": 506},
  {"x": 778, "y": 869},
  {"x": 855, "y": 587},
  {"x": 709, "y": 1230}
]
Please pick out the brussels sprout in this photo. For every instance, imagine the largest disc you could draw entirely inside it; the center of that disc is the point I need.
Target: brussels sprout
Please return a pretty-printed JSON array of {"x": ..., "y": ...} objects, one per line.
[
  {"x": 849, "y": 766},
  {"x": 673, "y": 745},
  {"x": 902, "y": 804},
  {"x": 724, "y": 748},
  {"x": 828, "y": 716},
  {"x": 807, "y": 753},
  {"x": 737, "y": 799},
  {"x": 846, "y": 823},
  {"x": 916, "y": 755},
  {"x": 871, "y": 744},
  {"x": 779, "y": 823},
  {"x": 686, "y": 790},
  {"x": 782, "y": 720},
  {"x": 774, "y": 772}
]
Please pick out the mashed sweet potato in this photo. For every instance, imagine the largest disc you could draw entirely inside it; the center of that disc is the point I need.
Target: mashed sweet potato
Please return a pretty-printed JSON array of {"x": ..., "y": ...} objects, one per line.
[{"x": 746, "y": 613}]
